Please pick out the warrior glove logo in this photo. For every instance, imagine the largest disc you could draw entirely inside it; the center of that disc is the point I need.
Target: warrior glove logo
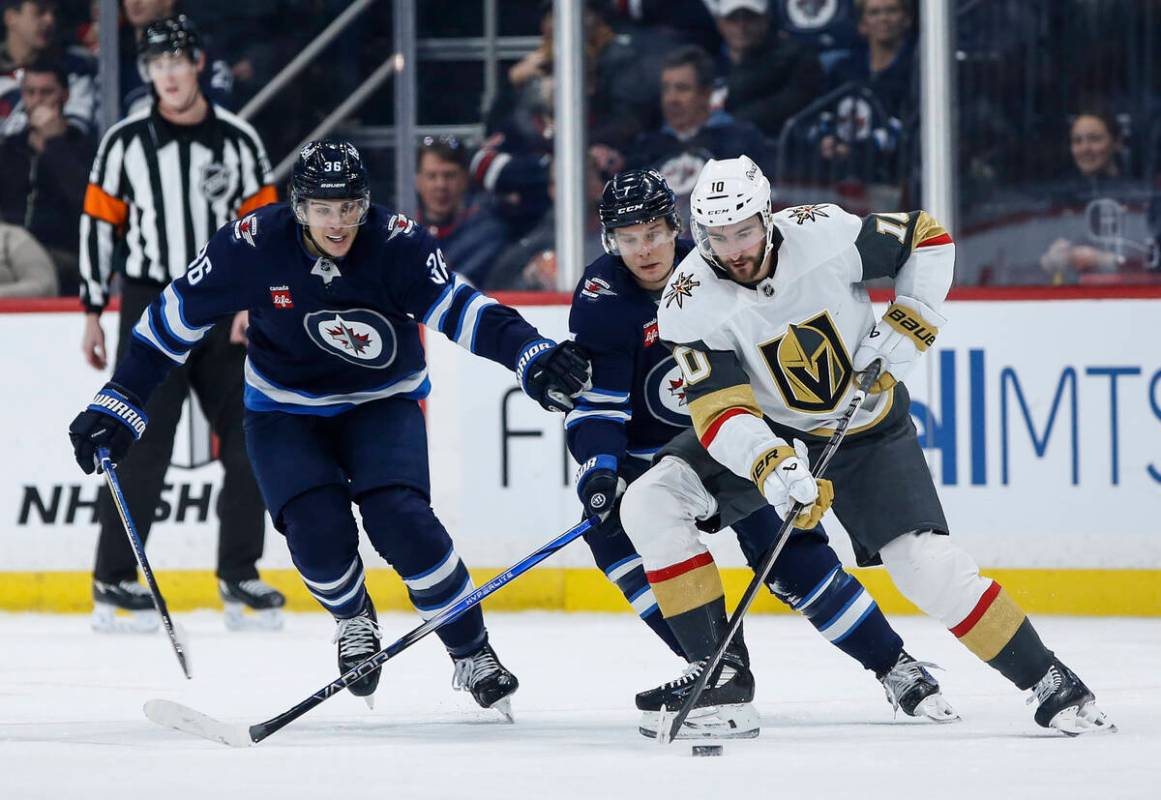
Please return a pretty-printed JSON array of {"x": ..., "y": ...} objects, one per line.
[{"x": 810, "y": 365}]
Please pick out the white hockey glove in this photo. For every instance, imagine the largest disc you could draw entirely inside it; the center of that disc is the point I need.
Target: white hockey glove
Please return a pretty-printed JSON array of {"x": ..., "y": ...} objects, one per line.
[
  {"x": 783, "y": 475},
  {"x": 903, "y": 334}
]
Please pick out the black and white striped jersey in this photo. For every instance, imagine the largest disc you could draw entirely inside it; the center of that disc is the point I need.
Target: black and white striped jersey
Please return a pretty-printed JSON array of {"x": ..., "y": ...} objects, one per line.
[{"x": 159, "y": 191}]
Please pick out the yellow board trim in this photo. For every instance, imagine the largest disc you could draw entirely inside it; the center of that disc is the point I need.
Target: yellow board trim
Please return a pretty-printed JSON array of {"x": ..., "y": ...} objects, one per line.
[{"x": 1085, "y": 592}]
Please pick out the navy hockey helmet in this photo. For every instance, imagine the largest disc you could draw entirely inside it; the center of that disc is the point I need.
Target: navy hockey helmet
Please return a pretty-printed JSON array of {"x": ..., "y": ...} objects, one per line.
[
  {"x": 170, "y": 36},
  {"x": 632, "y": 197},
  {"x": 329, "y": 170}
]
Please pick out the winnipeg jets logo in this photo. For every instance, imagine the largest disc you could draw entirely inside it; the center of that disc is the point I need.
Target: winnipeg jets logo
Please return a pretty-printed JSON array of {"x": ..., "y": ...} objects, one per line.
[
  {"x": 358, "y": 335},
  {"x": 665, "y": 393},
  {"x": 680, "y": 289},
  {"x": 326, "y": 269},
  {"x": 246, "y": 229},
  {"x": 596, "y": 287},
  {"x": 808, "y": 213},
  {"x": 399, "y": 224}
]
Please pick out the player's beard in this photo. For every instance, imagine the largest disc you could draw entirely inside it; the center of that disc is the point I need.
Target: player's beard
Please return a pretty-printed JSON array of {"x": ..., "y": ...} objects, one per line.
[{"x": 748, "y": 271}]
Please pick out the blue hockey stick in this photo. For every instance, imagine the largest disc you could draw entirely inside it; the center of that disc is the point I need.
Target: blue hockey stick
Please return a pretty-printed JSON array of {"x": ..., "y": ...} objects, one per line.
[
  {"x": 175, "y": 637},
  {"x": 183, "y": 718}
]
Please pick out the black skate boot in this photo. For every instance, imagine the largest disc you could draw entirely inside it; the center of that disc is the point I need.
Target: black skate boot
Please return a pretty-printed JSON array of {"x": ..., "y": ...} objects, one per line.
[
  {"x": 723, "y": 710},
  {"x": 909, "y": 686},
  {"x": 129, "y": 597},
  {"x": 358, "y": 639},
  {"x": 263, "y": 600},
  {"x": 1066, "y": 704},
  {"x": 487, "y": 679}
]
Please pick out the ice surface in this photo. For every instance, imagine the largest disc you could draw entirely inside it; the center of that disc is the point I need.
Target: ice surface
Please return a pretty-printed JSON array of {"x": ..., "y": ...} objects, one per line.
[{"x": 71, "y": 724}]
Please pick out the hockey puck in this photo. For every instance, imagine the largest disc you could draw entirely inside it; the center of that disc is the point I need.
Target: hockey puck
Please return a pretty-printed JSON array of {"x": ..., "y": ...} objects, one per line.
[{"x": 708, "y": 750}]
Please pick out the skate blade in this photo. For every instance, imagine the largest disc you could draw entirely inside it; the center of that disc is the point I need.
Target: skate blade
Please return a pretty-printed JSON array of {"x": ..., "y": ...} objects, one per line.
[
  {"x": 105, "y": 619},
  {"x": 1088, "y": 718},
  {"x": 370, "y": 701},
  {"x": 168, "y": 714},
  {"x": 267, "y": 619},
  {"x": 936, "y": 709},
  {"x": 738, "y": 721},
  {"x": 504, "y": 706}
]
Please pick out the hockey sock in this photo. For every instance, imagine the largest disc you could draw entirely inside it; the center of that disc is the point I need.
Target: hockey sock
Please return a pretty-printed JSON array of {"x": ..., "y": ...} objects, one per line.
[
  {"x": 691, "y": 597},
  {"x": 622, "y": 565},
  {"x": 1001, "y": 635},
  {"x": 808, "y": 577},
  {"x": 324, "y": 546},
  {"x": 405, "y": 531}
]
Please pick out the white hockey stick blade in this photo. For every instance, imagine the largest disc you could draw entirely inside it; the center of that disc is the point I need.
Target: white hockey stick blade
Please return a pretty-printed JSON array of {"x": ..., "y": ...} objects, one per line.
[{"x": 168, "y": 714}]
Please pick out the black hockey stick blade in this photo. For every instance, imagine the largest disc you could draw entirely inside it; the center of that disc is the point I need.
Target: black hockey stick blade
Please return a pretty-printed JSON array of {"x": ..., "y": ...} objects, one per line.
[{"x": 667, "y": 735}]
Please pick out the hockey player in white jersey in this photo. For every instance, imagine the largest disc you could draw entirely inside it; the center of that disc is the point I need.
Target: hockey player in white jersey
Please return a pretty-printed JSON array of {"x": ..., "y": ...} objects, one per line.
[{"x": 770, "y": 323}]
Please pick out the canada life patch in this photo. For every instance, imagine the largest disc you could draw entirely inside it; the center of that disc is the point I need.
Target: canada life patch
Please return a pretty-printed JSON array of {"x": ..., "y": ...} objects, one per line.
[
  {"x": 280, "y": 296},
  {"x": 358, "y": 335},
  {"x": 652, "y": 334}
]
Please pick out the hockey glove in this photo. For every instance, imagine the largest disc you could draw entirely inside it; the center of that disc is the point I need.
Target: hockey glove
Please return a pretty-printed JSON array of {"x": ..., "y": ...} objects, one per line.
[
  {"x": 599, "y": 491},
  {"x": 783, "y": 473},
  {"x": 113, "y": 420},
  {"x": 552, "y": 374},
  {"x": 903, "y": 334}
]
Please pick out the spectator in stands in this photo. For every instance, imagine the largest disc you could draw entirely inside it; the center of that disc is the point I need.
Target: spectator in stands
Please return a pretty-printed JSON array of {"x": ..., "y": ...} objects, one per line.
[
  {"x": 1113, "y": 206},
  {"x": 621, "y": 89},
  {"x": 216, "y": 79},
  {"x": 30, "y": 34},
  {"x": 770, "y": 76},
  {"x": 25, "y": 269},
  {"x": 45, "y": 169},
  {"x": 530, "y": 264},
  {"x": 692, "y": 133},
  {"x": 470, "y": 233},
  {"x": 884, "y": 58},
  {"x": 829, "y": 28}
]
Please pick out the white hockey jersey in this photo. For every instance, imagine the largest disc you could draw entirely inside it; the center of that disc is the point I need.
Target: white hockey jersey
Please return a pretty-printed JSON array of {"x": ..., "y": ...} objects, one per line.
[{"x": 782, "y": 349}]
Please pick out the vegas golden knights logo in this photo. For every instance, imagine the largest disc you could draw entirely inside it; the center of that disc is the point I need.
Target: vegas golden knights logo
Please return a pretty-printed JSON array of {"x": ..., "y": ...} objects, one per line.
[{"x": 810, "y": 365}]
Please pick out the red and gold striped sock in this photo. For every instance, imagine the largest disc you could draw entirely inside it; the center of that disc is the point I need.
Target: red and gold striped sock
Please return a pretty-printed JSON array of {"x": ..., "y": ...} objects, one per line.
[
  {"x": 1001, "y": 635},
  {"x": 692, "y": 600}
]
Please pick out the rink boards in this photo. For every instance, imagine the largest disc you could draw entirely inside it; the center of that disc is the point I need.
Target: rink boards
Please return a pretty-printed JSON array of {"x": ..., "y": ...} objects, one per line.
[{"x": 1041, "y": 420}]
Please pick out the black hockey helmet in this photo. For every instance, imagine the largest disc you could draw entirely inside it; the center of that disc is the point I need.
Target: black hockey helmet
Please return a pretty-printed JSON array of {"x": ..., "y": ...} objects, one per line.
[
  {"x": 170, "y": 36},
  {"x": 635, "y": 196},
  {"x": 329, "y": 170}
]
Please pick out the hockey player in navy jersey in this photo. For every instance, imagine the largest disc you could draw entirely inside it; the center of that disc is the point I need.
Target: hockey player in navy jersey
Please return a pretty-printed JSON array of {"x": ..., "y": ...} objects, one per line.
[
  {"x": 635, "y": 415},
  {"x": 337, "y": 288}
]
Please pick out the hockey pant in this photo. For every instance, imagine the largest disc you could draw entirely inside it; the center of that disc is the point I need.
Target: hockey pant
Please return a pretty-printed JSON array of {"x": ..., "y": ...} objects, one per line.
[
  {"x": 660, "y": 512},
  {"x": 324, "y": 545}
]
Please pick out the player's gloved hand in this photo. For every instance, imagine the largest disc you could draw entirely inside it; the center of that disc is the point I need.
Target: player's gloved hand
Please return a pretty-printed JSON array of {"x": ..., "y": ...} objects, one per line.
[
  {"x": 552, "y": 374},
  {"x": 903, "y": 334},
  {"x": 113, "y": 420},
  {"x": 599, "y": 491},
  {"x": 789, "y": 481}
]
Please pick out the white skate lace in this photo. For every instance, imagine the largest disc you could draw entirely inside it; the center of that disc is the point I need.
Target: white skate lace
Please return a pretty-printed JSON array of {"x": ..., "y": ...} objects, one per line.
[
  {"x": 1046, "y": 686},
  {"x": 356, "y": 636},
  {"x": 256, "y": 587},
  {"x": 693, "y": 672},
  {"x": 903, "y": 675},
  {"x": 471, "y": 669}
]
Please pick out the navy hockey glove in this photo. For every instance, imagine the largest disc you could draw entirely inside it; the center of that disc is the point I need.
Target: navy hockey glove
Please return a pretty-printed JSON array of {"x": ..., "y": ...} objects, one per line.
[
  {"x": 114, "y": 420},
  {"x": 599, "y": 491},
  {"x": 553, "y": 374}
]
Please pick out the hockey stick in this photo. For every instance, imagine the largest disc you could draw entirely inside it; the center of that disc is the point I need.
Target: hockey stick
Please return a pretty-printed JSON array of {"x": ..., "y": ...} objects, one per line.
[
  {"x": 175, "y": 636},
  {"x": 174, "y": 715},
  {"x": 668, "y": 735}
]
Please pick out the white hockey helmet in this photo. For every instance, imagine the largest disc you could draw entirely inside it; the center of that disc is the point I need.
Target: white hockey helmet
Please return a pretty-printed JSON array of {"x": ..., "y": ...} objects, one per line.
[{"x": 729, "y": 191}]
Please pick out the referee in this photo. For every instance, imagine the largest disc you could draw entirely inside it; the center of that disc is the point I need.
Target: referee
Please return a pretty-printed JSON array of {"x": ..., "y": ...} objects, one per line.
[{"x": 164, "y": 180}]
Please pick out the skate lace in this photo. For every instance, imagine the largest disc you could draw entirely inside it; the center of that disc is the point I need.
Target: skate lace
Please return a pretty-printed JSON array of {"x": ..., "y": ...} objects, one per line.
[
  {"x": 693, "y": 672},
  {"x": 1046, "y": 686},
  {"x": 134, "y": 588},
  {"x": 471, "y": 669},
  {"x": 357, "y": 636},
  {"x": 903, "y": 675},
  {"x": 256, "y": 587}
]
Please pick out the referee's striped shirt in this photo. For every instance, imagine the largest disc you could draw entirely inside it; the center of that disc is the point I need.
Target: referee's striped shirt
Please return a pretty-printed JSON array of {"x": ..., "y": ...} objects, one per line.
[{"x": 158, "y": 191}]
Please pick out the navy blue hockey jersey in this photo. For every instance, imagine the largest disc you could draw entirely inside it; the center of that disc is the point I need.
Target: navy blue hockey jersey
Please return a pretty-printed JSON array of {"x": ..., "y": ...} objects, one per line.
[
  {"x": 324, "y": 335},
  {"x": 637, "y": 403}
]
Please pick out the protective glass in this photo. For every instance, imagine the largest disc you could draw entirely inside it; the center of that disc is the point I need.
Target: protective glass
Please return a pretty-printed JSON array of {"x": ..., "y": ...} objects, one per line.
[
  {"x": 727, "y": 241},
  {"x": 623, "y": 242},
  {"x": 163, "y": 66},
  {"x": 332, "y": 213}
]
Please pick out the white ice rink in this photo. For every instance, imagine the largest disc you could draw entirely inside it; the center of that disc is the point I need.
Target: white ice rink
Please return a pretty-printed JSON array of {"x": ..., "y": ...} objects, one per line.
[{"x": 71, "y": 724}]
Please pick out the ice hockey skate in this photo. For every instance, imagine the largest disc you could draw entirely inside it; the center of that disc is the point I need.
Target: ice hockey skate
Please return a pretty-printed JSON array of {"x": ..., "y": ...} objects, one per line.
[
  {"x": 1066, "y": 704},
  {"x": 909, "y": 686},
  {"x": 358, "y": 638},
  {"x": 723, "y": 711},
  {"x": 123, "y": 607},
  {"x": 263, "y": 602},
  {"x": 490, "y": 683}
]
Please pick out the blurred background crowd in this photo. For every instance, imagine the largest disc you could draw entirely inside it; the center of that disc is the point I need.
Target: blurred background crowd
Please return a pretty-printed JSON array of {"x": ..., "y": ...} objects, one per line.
[{"x": 1058, "y": 139}]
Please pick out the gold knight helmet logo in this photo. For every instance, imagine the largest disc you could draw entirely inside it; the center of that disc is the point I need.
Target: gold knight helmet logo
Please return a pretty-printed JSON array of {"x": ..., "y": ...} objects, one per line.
[{"x": 810, "y": 365}]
